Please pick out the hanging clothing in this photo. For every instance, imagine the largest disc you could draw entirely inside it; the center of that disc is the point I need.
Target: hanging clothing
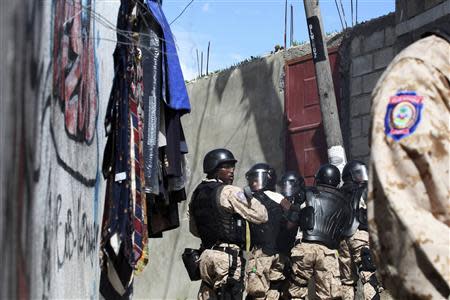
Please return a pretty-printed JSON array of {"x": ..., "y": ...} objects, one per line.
[{"x": 173, "y": 82}]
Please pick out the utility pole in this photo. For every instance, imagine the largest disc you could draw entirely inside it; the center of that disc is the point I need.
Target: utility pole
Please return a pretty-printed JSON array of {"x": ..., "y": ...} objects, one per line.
[{"x": 328, "y": 107}]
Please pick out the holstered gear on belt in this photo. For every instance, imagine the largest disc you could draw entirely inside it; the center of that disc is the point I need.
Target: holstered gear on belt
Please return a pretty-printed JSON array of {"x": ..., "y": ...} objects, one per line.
[
  {"x": 232, "y": 289},
  {"x": 214, "y": 224},
  {"x": 191, "y": 259},
  {"x": 265, "y": 235},
  {"x": 368, "y": 265},
  {"x": 331, "y": 215}
]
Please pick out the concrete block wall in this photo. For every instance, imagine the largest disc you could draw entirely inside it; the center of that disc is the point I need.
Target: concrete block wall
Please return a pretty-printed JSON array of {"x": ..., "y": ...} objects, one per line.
[
  {"x": 369, "y": 50},
  {"x": 365, "y": 53}
]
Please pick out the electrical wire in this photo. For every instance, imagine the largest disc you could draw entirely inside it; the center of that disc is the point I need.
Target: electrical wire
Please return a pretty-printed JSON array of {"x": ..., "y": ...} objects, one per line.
[
  {"x": 343, "y": 14},
  {"x": 181, "y": 13},
  {"x": 128, "y": 35},
  {"x": 339, "y": 13}
]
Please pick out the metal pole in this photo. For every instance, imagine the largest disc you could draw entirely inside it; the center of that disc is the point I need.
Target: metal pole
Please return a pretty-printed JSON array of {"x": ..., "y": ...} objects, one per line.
[
  {"x": 198, "y": 64},
  {"x": 328, "y": 107},
  {"x": 292, "y": 24},
  {"x": 207, "y": 58},
  {"x": 285, "y": 22},
  {"x": 201, "y": 64}
]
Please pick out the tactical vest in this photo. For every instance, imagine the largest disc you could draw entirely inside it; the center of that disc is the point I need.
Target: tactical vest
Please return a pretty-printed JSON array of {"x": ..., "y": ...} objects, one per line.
[
  {"x": 265, "y": 235},
  {"x": 214, "y": 224},
  {"x": 358, "y": 220},
  {"x": 330, "y": 218}
]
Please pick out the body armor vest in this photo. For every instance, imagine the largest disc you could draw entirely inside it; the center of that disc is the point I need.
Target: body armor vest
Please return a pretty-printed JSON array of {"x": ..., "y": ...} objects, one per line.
[
  {"x": 358, "y": 220},
  {"x": 265, "y": 235},
  {"x": 214, "y": 224},
  {"x": 330, "y": 217}
]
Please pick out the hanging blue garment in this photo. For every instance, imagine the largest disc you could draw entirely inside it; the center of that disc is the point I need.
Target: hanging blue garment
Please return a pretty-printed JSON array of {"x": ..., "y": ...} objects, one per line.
[{"x": 176, "y": 93}]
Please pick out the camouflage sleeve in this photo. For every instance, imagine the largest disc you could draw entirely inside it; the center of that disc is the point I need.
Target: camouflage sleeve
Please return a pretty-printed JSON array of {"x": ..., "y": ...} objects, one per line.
[
  {"x": 232, "y": 199},
  {"x": 409, "y": 188}
]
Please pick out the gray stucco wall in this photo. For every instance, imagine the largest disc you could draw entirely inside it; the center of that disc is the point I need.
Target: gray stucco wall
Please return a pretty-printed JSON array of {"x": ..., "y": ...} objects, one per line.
[{"x": 52, "y": 143}]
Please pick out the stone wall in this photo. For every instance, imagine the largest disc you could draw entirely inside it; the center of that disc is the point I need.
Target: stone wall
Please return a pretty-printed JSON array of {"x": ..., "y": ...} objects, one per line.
[{"x": 366, "y": 51}]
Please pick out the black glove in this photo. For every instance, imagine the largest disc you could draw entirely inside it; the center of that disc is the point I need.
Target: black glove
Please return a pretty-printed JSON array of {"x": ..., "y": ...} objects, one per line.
[{"x": 248, "y": 193}]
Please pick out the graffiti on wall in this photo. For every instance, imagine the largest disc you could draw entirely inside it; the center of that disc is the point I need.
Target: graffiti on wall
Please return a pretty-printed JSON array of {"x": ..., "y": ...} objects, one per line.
[
  {"x": 74, "y": 67},
  {"x": 68, "y": 167}
]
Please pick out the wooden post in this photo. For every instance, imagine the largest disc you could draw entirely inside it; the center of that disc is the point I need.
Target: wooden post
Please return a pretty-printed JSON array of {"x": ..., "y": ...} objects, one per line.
[{"x": 328, "y": 107}]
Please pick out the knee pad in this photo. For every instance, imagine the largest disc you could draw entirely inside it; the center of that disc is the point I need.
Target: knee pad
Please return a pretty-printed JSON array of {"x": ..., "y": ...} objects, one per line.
[{"x": 367, "y": 263}]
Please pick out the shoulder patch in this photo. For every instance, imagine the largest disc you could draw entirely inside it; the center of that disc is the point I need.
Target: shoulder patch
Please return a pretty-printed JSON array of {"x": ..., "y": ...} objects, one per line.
[
  {"x": 403, "y": 114},
  {"x": 240, "y": 195}
]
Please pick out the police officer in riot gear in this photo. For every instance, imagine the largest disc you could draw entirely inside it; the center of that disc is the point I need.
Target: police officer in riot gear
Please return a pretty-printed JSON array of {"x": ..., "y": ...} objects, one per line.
[
  {"x": 354, "y": 251},
  {"x": 322, "y": 222},
  {"x": 292, "y": 187},
  {"x": 265, "y": 266},
  {"x": 217, "y": 214}
]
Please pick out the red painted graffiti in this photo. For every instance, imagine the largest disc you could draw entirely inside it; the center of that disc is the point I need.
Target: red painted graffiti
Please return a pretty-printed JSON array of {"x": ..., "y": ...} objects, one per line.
[{"x": 74, "y": 71}]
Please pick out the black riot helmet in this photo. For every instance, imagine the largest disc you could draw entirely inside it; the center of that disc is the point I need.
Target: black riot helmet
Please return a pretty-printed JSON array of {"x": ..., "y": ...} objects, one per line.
[
  {"x": 261, "y": 177},
  {"x": 355, "y": 171},
  {"x": 216, "y": 157},
  {"x": 291, "y": 184},
  {"x": 328, "y": 174}
]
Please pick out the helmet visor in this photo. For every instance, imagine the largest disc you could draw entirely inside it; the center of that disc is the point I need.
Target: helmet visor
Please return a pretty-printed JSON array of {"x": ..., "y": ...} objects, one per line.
[
  {"x": 289, "y": 188},
  {"x": 360, "y": 175},
  {"x": 257, "y": 180}
]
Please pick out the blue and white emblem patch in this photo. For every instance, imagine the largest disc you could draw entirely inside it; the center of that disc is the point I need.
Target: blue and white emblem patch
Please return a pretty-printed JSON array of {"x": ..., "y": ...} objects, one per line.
[{"x": 403, "y": 114}]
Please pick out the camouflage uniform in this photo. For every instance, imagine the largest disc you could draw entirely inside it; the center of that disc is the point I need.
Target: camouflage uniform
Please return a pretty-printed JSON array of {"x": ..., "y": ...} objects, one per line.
[
  {"x": 349, "y": 258},
  {"x": 264, "y": 269},
  {"x": 215, "y": 264},
  {"x": 408, "y": 205},
  {"x": 308, "y": 260},
  {"x": 261, "y": 270}
]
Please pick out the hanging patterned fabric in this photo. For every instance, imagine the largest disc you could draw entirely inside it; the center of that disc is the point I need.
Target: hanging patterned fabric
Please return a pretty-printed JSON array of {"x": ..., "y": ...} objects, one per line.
[
  {"x": 144, "y": 179},
  {"x": 118, "y": 227},
  {"x": 137, "y": 177}
]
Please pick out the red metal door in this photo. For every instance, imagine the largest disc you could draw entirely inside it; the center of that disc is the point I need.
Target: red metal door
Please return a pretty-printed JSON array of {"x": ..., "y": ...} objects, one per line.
[{"x": 306, "y": 147}]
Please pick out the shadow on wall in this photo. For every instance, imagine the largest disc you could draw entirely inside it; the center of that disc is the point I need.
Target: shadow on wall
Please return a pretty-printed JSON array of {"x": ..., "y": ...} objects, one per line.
[
  {"x": 240, "y": 109},
  {"x": 260, "y": 85}
]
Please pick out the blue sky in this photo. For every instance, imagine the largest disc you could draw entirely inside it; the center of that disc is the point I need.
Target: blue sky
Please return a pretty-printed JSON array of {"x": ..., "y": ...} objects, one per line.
[{"x": 238, "y": 29}]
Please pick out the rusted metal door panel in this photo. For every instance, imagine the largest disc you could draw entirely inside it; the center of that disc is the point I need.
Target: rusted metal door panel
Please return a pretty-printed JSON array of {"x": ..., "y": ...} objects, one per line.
[{"x": 306, "y": 147}]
